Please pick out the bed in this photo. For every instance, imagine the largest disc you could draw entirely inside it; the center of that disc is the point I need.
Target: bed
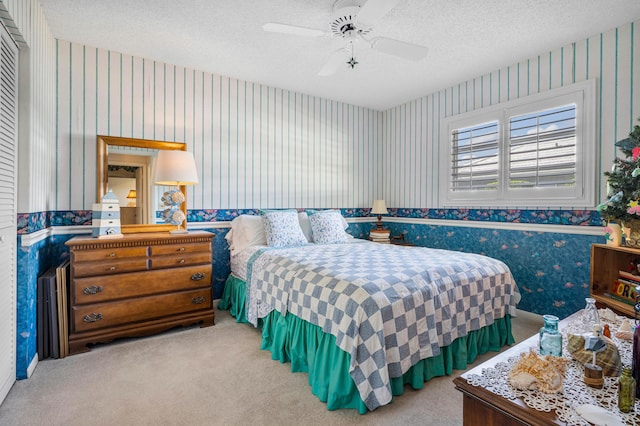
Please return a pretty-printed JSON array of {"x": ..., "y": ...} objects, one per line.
[{"x": 363, "y": 319}]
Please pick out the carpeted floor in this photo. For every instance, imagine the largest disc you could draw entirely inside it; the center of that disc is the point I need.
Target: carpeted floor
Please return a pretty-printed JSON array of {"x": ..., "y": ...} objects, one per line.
[{"x": 209, "y": 376}]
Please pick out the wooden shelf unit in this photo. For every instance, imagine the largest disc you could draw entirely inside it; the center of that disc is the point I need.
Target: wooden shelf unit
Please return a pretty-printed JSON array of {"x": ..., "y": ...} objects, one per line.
[{"x": 606, "y": 262}]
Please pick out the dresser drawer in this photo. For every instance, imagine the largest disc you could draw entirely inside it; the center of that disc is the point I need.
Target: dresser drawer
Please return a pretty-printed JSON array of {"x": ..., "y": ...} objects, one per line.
[
  {"x": 138, "y": 284},
  {"x": 180, "y": 248},
  {"x": 109, "y": 267},
  {"x": 107, "y": 254},
  {"x": 135, "y": 284},
  {"x": 159, "y": 262},
  {"x": 109, "y": 314}
]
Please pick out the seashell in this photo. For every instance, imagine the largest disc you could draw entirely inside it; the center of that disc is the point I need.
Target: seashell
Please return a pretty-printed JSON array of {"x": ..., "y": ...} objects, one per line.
[
  {"x": 625, "y": 332},
  {"x": 608, "y": 359},
  {"x": 624, "y": 335},
  {"x": 523, "y": 380},
  {"x": 533, "y": 371},
  {"x": 625, "y": 325},
  {"x": 606, "y": 314}
]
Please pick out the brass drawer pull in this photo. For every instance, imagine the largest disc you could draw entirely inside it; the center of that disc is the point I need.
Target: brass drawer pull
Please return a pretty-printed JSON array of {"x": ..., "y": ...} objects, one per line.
[
  {"x": 112, "y": 255},
  {"x": 181, "y": 249},
  {"x": 92, "y": 290},
  {"x": 112, "y": 268},
  {"x": 92, "y": 317},
  {"x": 181, "y": 261},
  {"x": 197, "y": 276},
  {"x": 198, "y": 300}
]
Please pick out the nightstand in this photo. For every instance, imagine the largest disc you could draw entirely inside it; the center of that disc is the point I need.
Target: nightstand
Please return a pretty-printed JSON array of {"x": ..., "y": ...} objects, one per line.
[{"x": 402, "y": 243}]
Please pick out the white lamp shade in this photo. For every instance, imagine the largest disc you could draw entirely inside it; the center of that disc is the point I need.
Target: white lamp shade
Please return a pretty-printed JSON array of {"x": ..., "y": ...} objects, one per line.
[
  {"x": 379, "y": 207},
  {"x": 175, "y": 168}
]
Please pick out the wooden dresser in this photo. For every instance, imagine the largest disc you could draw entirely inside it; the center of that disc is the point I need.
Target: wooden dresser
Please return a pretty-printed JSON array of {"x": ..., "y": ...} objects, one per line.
[{"x": 138, "y": 285}]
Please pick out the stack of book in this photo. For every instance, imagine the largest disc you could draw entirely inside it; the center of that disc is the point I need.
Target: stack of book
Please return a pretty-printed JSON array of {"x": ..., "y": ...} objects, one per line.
[
  {"x": 379, "y": 235},
  {"x": 624, "y": 288}
]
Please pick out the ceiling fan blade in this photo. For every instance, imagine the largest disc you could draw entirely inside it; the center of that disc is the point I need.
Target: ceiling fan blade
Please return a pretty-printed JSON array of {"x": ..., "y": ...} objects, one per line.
[
  {"x": 273, "y": 27},
  {"x": 374, "y": 10},
  {"x": 334, "y": 62},
  {"x": 402, "y": 49}
]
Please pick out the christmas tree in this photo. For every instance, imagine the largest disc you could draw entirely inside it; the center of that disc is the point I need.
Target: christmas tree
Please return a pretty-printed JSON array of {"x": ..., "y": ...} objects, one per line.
[{"x": 623, "y": 185}]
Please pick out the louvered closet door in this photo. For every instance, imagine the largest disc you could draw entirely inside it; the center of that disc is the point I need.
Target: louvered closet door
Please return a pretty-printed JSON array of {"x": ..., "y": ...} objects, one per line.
[{"x": 8, "y": 186}]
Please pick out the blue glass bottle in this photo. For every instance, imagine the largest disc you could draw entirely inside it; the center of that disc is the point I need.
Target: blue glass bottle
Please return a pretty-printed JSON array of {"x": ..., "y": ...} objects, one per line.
[{"x": 550, "y": 337}]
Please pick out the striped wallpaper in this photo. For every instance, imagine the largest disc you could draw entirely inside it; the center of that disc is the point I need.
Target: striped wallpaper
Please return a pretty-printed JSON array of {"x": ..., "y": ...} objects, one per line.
[
  {"x": 259, "y": 146},
  {"x": 411, "y": 131},
  {"x": 255, "y": 146}
]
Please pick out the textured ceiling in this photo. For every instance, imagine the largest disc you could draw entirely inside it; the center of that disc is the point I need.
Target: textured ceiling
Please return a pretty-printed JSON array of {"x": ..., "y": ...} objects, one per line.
[{"x": 466, "y": 38}]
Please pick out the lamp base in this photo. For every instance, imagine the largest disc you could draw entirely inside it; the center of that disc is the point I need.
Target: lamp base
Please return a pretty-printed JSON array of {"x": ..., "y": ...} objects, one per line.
[{"x": 178, "y": 231}]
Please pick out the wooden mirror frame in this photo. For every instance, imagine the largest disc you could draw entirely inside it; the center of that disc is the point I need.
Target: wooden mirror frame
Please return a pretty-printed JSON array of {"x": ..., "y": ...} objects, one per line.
[{"x": 102, "y": 169}]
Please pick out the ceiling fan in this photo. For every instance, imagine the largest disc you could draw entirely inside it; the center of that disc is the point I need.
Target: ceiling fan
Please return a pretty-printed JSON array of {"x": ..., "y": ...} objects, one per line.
[{"x": 353, "y": 20}]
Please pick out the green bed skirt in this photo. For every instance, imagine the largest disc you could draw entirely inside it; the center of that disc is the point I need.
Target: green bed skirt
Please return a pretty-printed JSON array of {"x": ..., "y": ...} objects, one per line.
[{"x": 310, "y": 350}]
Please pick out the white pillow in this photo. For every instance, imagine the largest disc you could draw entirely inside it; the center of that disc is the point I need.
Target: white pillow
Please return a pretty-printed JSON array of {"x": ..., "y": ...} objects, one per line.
[
  {"x": 305, "y": 225},
  {"x": 246, "y": 230}
]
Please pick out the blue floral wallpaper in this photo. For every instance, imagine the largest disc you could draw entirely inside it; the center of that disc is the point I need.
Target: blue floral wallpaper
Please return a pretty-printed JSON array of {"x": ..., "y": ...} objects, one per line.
[
  {"x": 551, "y": 269},
  {"x": 33, "y": 261}
]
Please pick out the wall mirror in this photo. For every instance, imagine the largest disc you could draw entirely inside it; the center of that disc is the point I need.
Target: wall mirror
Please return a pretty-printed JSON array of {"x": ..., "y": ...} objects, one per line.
[{"x": 124, "y": 165}]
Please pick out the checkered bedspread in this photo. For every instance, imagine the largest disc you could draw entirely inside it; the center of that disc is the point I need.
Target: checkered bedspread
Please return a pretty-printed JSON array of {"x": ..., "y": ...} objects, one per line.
[{"x": 388, "y": 306}]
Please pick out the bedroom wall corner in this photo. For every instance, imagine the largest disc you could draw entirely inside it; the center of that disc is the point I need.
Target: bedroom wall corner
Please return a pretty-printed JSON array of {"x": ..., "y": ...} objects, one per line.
[{"x": 551, "y": 269}]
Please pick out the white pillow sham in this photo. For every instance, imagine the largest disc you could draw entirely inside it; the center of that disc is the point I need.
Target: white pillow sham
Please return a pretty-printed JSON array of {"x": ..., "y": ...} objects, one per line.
[
  {"x": 305, "y": 225},
  {"x": 246, "y": 230}
]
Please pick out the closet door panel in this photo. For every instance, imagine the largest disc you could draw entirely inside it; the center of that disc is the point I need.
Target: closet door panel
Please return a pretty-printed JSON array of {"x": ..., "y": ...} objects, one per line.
[{"x": 8, "y": 190}]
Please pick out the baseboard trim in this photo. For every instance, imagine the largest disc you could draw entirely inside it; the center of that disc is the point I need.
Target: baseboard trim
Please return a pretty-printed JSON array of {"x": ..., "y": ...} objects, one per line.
[
  {"x": 529, "y": 315},
  {"x": 32, "y": 366}
]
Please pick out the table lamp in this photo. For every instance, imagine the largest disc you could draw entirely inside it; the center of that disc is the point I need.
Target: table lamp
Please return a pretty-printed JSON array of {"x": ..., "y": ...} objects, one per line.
[
  {"x": 379, "y": 208},
  {"x": 175, "y": 168},
  {"x": 131, "y": 196}
]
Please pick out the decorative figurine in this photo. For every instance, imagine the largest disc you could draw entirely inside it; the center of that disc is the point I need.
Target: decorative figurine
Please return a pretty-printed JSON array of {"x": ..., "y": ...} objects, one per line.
[
  {"x": 592, "y": 372},
  {"x": 105, "y": 220}
]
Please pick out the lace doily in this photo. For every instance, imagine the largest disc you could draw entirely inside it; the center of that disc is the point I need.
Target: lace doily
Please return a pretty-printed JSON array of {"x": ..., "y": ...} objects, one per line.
[{"x": 574, "y": 391}]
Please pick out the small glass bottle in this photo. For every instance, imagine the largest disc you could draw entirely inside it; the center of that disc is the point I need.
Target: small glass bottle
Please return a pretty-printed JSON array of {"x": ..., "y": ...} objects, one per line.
[
  {"x": 550, "y": 337},
  {"x": 626, "y": 391},
  {"x": 590, "y": 315}
]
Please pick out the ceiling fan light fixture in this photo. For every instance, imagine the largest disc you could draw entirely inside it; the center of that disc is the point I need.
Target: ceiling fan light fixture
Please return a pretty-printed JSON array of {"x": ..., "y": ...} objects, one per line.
[{"x": 351, "y": 21}]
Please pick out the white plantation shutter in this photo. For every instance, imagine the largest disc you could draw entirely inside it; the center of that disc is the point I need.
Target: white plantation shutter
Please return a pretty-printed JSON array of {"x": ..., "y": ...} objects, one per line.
[
  {"x": 529, "y": 152},
  {"x": 542, "y": 149},
  {"x": 8, "y": 185},
  {"x": 475, "y": 161}
]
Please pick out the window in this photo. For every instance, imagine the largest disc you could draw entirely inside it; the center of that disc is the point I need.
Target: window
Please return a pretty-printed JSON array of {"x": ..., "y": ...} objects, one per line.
[{"x": 537, "y": 151}]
